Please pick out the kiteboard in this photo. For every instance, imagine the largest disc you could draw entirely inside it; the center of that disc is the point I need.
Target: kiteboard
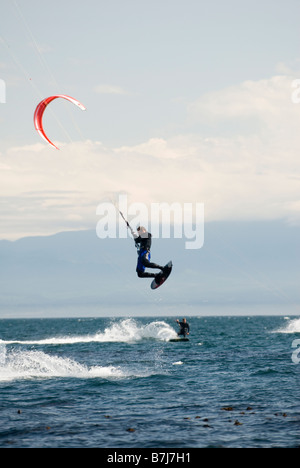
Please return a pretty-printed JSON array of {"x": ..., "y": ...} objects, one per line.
[
  {"x": 176, "y": 340},
  {"x": 162, "y": 277}
]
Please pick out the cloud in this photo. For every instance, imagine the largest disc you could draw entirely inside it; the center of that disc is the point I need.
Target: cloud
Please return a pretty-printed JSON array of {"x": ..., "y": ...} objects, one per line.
[
  {"x": 110, "y": 89},
  {"x": 264, "y": 100},
  {"x": 251, "y": 175},
  {"x": 292, "y": 68}
]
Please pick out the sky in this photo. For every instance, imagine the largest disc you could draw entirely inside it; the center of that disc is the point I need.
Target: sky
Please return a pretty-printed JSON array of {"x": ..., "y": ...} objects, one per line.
[{"x": 187, "y": 101}]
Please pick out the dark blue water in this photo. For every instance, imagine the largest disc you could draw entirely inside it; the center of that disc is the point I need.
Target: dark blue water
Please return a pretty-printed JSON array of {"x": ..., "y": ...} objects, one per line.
[{"x": 85, "y": 382}]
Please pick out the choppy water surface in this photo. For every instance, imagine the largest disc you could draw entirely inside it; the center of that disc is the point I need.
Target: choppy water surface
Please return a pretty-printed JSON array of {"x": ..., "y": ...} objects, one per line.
[{"x": 85, "y": 382}]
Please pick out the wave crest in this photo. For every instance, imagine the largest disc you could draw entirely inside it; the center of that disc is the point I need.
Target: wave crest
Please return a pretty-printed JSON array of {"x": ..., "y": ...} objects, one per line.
[
  {"x": 291, "y": 327},
  {"x": 124, "y": 331},
  {"x": 18, "y": 364}
]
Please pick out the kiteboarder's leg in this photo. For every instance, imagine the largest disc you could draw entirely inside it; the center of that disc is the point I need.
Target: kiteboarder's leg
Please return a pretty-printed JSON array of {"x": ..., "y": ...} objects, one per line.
[
  {"x": 143, "y": 262},
  {"x": 147, "y": 264},
  {"x": 143, "y": 274},
  {"x": 140, "y": 269}
]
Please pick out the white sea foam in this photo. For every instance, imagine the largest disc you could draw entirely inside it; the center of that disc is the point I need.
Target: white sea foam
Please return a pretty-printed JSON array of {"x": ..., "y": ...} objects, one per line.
[
  {"x": 291, "y": 327},
  {"x": 30, "y": 364},
  {"x": 126, "y": 331},
  {"x": 20, "y": 364}
]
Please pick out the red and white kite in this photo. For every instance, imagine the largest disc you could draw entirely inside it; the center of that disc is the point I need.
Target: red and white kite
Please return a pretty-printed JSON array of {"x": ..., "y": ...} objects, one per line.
[{"x": 39, "y": 112}]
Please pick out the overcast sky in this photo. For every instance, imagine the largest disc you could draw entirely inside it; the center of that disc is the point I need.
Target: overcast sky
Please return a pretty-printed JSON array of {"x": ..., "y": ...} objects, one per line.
[{"x": 187, "y": 101}]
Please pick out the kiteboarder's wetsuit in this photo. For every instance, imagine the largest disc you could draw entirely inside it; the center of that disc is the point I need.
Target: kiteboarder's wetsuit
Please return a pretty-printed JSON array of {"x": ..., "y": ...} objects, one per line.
[
  {"x": 143, "y": 243},
  {"x": 184, "y": 328}
]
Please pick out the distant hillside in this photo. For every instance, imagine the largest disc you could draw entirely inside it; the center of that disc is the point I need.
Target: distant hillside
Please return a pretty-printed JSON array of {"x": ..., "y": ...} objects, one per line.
[{"x": 239, "y": 263}]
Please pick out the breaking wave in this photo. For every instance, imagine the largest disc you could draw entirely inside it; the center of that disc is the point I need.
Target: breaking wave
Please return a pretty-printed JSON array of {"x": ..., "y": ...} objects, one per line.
[
  {"x": 125, "y": 331},
  {"x": 291, "y": 327},
  {"x": 36, "y": 364},
  {"x": 20, "y": 364}
]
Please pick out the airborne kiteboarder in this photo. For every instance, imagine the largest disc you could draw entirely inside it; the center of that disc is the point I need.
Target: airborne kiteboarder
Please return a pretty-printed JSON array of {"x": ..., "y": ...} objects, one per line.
[{"x": 143, "y": 241}]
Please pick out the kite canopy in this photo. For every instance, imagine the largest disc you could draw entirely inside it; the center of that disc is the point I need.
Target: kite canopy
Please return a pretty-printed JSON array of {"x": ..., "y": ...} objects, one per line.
[{"x": 39, "y": 112}]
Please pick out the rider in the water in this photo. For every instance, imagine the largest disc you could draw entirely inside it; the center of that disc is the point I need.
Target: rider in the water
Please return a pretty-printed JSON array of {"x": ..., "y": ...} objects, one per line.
[
  {"x": 184, "y": 328},
  {"x": 143, "y": 242}
]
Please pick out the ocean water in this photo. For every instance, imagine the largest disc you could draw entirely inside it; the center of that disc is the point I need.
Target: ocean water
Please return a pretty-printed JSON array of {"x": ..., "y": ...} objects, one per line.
[{"x": 114, "y": 383}]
